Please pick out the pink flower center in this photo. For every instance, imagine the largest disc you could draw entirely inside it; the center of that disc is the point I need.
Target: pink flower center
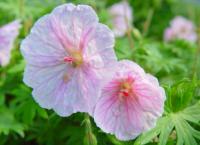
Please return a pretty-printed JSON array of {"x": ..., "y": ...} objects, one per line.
[
  {"x": 125, "y": 88},
  {"x": 75, "y": 59}
]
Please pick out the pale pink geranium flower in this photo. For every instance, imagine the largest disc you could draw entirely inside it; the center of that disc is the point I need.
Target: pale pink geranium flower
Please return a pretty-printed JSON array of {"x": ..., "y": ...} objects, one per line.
[
  {"x": 8, "y": 34},
  {"x": 130, "y": 103},
  {"x": 67, "y": 52},
  {"x": 122, "y": 18},
  {"x": 180, "y": 28}
]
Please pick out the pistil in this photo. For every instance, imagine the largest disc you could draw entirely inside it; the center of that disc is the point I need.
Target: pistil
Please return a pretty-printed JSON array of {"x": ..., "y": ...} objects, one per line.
[{"x": 75, "y": 59}]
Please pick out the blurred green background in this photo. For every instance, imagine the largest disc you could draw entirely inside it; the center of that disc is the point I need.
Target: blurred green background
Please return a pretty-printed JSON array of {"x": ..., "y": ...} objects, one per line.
[{"x": 176, "y": 64}]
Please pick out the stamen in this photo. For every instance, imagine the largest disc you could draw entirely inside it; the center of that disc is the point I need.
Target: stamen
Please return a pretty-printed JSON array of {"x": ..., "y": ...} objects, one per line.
[
  {"x": 125, "y": 93},
  {"x": 68, "y": 59},
  {"x": 125, "y": 88},
  {"x": 75, "y": 59}
]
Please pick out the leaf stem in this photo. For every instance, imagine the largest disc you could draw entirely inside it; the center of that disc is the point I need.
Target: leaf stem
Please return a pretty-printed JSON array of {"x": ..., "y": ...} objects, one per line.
[
  {"x": 148, "y": 21},
  {"x": 21, "y": 8},
  {"x": 197, "y": 55},
  {"x": 90, "y": 138},
  {"x": 129, "y": 29},
  {"x": 88, "y": 123}
]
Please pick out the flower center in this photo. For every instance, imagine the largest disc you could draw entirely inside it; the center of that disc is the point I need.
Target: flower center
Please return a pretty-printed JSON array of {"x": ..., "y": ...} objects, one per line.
[
  {"x": 75, "y": 59},
  {"x": 183, "y": 30},
  {"x": 125, "y": 89}
]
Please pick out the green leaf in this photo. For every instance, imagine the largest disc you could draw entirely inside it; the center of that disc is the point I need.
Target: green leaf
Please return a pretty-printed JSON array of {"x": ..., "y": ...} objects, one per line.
[
  {"x": 2, "y": 99},
  {"x": 25, "y": 106},
  {"x": 8, "y": 123},
  {"x": 180, "y": 122},
  {"x": 148, "y": 136},
  {"x": 165, "y": 131},
  {"x": 42, "y": 113},
  {"x": 114, "y": 140},
  {"x": 17, "y": 68},
  {"x": 183, "y": 91},
  {"x": 192, "y": 114}
]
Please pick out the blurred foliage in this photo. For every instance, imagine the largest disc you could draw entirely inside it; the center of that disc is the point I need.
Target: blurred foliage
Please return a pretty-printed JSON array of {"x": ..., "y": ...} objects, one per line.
[{"x": 176, "y": 64}]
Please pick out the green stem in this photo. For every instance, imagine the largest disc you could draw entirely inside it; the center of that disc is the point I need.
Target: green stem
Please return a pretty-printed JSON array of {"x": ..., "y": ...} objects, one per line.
[
  {"x": 130, "y": 39},
  {"x": 129, "y": 30},
  {"x": 88, "y": 123},
  {"x": 148, "y": 21},
  {"x": 21, "y": 8},
  {"x": 197, "y": 56},
  {"x": 90, "y": 138}
]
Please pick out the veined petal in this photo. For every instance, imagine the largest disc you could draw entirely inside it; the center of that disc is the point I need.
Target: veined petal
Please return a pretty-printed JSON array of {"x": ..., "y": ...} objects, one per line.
[
  {"x": 104, "y": 42},
  {"x": 42, "y": 46},
  {"x": 130, "y": 102},
  {"x": 45, "y": 83},
  {"x": 61, "y": 68}
]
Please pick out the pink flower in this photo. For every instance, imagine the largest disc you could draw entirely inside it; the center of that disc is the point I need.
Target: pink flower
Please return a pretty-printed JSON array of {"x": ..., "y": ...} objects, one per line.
[
  {"x": 8, "y": 34},
  {"x": 67, "y": 53},
  {"x": 130, "y": 103},
  {"x": 121, "y": 14},
  {"x": 180, "y": 28}
]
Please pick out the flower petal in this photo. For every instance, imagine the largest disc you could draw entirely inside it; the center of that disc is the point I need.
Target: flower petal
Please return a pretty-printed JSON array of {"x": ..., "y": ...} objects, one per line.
[
  {"x": 67, "y": 31},
  {"x": 40, "y": 49},
  {"x": 45, "y": 83},
  {"x": 124, "y": 119},
  {"x": 8, "y": 34},
  {"x": 127, "y": 116}
]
